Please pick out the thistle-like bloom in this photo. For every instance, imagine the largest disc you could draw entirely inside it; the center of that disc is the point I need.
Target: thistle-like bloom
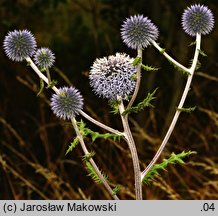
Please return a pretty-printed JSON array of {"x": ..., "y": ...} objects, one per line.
[
  {"x": 67, "y": 103},
  {"x": 44, "y": 58},
  {"x": 19, "y": 45},
  {"x": 197, "y": 19},
  {"x": 113, "y": 76},
  {"x": 138, "y": 32}
]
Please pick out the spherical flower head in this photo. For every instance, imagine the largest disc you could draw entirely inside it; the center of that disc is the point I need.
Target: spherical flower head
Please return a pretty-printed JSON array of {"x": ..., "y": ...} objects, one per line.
[
  {"x": 138, "y": 32},
  {"x": 19, "y": 45},
  {"x": 67, "y": 103},
  {"x": 44, "y": 58},
  {"x": 197, "y": 19},
  {"x": 113, "y": 76}
]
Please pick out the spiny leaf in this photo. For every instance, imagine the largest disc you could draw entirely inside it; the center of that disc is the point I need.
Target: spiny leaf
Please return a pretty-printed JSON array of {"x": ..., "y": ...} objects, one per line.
[
  {"x": 202, "y": 53},
  {"x": 136, "y": 61},
  {"x": 193, "y": 43},
  {"x": 116, "y": 189},
  {"x": 41, "y": 87},
  {"x": 145, "y": 103},
  {"x": 114, "y": 104},
  {"x": 149, "y": 68},
  {"x": 188, "y": 110},
  {"x": 72, "y": 145},
  {"x": 92, "y": 173},
  {"x": 162, "y": 50},
  {"x": 95, "y": 135},
  {"x": 173, "y": 159},
  {"x": 52, "y": 84},
  {"x": 88, "y": 156}
]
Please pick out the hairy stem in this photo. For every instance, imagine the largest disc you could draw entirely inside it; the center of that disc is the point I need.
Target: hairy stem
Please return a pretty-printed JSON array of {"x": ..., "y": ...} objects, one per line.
[
  {"x": 85, "y": 150},
  {"x": 138, "y": 79},
  {"x": 48, "y": 75},
  {"x": 133, "y": 151},
  {"x": 178, "y": 111}
]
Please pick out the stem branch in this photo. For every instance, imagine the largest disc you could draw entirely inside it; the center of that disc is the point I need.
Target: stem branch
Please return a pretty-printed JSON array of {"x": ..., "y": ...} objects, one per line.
[
  {"x": 85, "y": 150},
  {"x": 178, "y": 111}
]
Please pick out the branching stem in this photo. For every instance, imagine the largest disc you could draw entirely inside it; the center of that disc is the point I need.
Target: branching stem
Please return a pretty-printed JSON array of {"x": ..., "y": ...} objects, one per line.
[{"x": 176, "y": 116}]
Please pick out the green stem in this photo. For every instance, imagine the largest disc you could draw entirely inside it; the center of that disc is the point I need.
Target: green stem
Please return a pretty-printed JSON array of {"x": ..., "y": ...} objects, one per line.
[
  {"x": 178, "y": 111},
  {"x": 85, "y": 150}
]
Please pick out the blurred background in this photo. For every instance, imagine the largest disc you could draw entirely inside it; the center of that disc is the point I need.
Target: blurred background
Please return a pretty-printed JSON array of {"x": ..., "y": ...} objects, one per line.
[{"x": 33, "y": 141}]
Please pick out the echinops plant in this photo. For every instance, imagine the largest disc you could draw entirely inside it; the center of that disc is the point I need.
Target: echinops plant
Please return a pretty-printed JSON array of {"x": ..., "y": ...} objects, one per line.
[{"x": 115, "y": 78}]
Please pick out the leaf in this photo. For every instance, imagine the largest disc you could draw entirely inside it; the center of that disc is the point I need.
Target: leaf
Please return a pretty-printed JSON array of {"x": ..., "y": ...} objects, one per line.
[
  {"x": 188, "y": 110},
  {"x": 136, "y": 61},
  {"x": 145, "y": 103},
  {"x": 202, "y": 53},
  {"x": 92, "y": 173},
  {"x": 193, "y": 43},
  {"x": 114, "y": 104},
  {"x": 95, "y": 135},
  {"x": 149, "y": 68},
  {"x": 173, "y": 159},
  {"x": 116, "y": 189},
  {"x": 88, "y": 156},
  {"x": 41, "y": 87},
  {"x": 52, "y": 84},
  {"x": 72, "y": 145}
]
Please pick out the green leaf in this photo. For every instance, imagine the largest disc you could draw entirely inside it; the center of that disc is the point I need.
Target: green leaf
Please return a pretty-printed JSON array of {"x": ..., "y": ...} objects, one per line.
[
  {"x": 202, "y": 53},
  {"x": 95, "y": 135},
  {"x": 114, "y": 104},
  {"x": 72, "y": 145},
  {"x": 162, "y": 50},
  {"x": 140, "y": 106},
  {"x": 41, "y": 87},
  {"x": 136, "y": 61},
  {"x": 116, "y": 189},
  {"x": 193, "y": 43},
  {"x": 88, "y": 156},
  {"x": 173, "y": 159},
  {"x": 188, "y": 110},
  {"x": 52, "y": 84},
  {"x": 92, "y": 173},
  {"x": 149, "y": 68}
]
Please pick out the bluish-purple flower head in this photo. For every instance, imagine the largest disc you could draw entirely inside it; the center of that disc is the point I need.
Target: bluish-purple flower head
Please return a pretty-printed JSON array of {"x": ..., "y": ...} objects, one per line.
[
  {"x": 67, "y": 103},
  {"x": 19, "y": 44},
  {"x": 197, "y": 19},
  {"x": 138, "y": 32},
  {"x": 44, "y": 58},
  {"x": 112, "y": 76}
]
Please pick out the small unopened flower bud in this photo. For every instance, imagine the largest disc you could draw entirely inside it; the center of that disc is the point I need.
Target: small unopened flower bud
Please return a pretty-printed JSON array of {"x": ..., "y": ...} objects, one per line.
[
  {"x": 19, "y": 45},
  {"x": 138, "y": 32},
  {"x": 67, "y": 103},
  {"x": 197, "y": 19}
]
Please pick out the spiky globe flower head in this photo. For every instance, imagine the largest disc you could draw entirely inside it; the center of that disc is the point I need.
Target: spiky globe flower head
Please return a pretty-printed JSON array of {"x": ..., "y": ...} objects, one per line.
[
  {"x": 197, "y": 19},
  {"x": 44, "y": 58},
  {"x": 138, "y": 32},
  {"x": 19, "y": 44},
  {"x": 113, "y": 76},
  {"x": 67, "y": 103}
]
